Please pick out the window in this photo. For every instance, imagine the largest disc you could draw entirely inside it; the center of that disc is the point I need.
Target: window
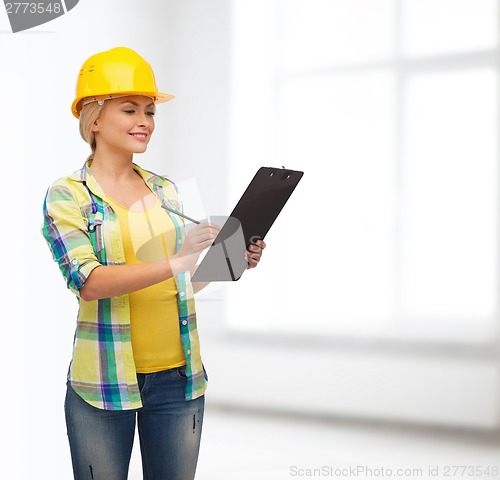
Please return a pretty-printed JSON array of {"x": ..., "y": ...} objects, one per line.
[{"x": 390, "y": 107}]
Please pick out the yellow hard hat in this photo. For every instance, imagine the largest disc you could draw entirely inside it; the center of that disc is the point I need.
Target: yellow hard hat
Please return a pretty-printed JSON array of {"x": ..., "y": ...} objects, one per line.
[{"x": 115, "y": 72}]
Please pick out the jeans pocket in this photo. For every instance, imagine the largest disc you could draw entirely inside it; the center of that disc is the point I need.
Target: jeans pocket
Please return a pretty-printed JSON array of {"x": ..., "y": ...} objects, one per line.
[{"x": 181, "y": 371}]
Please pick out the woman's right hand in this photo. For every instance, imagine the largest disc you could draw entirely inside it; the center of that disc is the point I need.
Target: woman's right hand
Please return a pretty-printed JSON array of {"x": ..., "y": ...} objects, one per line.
[{"x": 198, "y": 238}]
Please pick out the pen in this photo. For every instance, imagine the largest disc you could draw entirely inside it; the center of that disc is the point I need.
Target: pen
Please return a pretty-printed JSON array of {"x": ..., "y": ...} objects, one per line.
[{"x": 182, "y": 215}]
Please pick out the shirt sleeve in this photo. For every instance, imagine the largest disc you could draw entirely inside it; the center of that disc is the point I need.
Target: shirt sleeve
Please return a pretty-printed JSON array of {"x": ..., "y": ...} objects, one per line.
[{"x": 65, "y": 230}]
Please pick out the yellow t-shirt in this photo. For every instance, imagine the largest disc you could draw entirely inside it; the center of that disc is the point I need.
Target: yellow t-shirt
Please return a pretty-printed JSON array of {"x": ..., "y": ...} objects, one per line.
[{"x": 149, "y": 235}]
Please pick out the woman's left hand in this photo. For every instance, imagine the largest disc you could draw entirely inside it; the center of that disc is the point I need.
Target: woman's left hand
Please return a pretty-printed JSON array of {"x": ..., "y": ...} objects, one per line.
[{"x": 254, "y": 252}]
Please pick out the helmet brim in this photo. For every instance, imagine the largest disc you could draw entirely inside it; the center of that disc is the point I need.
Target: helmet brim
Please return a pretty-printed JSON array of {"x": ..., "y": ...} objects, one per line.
[
  {"x": 159, "y": 97},
  {"x": 163, "y": 97}
]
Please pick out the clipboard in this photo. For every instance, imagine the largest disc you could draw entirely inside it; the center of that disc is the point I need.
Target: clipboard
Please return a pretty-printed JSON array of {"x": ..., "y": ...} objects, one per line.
[{"x": 250, "y": 220}]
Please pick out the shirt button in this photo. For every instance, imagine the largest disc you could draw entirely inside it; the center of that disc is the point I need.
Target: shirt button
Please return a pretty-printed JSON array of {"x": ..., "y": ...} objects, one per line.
[
  {"x": 179, "y": 241},
  {"x": 91, "y": 228},
  {"x": 189, "y": 352},
  {"x": 184, "y": 322},
  {"x": 74, "y": 261},
  {"x": 182, "y": 294}
]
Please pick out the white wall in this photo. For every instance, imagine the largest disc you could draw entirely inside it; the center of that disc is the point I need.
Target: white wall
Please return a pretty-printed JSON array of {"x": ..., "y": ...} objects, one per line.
[
  {"x": 283, "y": 333},
  {"x": 40, "y": 142},
  {"x": 188, "y": 44}
]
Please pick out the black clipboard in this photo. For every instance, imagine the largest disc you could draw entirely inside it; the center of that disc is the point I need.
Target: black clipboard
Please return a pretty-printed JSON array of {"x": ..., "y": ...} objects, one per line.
[{"x": 250, "y": 220}]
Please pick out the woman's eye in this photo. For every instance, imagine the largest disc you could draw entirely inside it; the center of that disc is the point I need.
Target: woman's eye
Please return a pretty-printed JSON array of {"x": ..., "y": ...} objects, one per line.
[{"x": 152, "y": 114}]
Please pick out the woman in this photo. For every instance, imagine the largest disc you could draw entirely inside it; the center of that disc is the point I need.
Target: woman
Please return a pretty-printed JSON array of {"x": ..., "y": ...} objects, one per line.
[{"x": 117, "y": 234}]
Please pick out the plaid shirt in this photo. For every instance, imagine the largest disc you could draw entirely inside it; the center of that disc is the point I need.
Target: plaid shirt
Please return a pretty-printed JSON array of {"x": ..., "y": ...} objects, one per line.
[{"x": 83, "y": 232}]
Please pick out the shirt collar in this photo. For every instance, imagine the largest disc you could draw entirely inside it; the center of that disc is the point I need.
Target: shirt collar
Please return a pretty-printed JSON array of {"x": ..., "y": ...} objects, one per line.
[{"x": 86, "y": 176}]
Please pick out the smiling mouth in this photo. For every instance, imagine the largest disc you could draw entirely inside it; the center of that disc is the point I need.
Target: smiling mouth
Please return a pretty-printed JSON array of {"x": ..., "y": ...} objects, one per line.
[{"x": 139, "y": 135}]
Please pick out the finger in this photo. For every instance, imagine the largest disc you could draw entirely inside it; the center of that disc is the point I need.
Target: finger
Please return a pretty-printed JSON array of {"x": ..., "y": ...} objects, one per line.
[
  {"x": 260, "y": 244},
  {"x": 206, "y": 228},
  {"x": 206, "y": 241},
  {"x": 214, "y": 225},
  {"x": 208, "y": 231},
  {"x": 254, "y": 248},
  {"x": 205, "y": 234},
  {"x": 248, "y": 259},
  {"x": 253, "y": 258},
  {"x": 252, "y": 264},
  {"x": 198, "y": 247}
]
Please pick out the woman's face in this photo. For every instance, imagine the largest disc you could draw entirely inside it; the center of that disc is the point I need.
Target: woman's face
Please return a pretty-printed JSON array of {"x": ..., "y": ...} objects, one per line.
[{"x": 126, "y": 124}]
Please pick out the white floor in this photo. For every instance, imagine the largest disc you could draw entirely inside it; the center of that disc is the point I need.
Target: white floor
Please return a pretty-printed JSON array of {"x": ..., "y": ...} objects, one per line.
[{"x": 240, "y": 445}]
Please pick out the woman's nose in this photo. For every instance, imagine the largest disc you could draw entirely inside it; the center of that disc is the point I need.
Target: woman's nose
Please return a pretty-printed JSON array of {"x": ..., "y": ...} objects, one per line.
[{"x": 143, "y": 119}]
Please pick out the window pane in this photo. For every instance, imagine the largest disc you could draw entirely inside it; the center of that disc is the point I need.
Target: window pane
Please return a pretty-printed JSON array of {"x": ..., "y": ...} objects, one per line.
[
  {"x": 395, "y": 218},
  {"x": 324, "y": 33},
  {"x": 252, "y": 92},
  {"x": 450, "y": 184},
  {"x": 432, "y": 27},
  {"x": 334, "y": 240}
]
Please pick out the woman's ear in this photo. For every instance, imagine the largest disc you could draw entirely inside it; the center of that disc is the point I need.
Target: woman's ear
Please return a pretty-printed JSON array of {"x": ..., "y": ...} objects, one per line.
[{"x": 95, "y": 127}]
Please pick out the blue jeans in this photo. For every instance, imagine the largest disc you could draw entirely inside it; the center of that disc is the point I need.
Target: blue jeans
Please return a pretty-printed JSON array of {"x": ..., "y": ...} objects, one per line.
[{"x": 169, "y": 432}]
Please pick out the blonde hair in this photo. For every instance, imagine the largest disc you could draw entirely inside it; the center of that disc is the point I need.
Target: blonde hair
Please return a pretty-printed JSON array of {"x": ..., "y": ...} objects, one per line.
[{"x": 88, "y": 115}]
